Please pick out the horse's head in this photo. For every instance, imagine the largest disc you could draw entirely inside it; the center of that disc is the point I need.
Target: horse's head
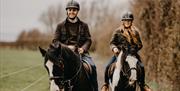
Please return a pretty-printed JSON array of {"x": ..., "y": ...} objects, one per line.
[
  {"x": 132, "y": 71},
  {"x": 62, "y": 64},
  {"x": 55, "y": 67},
  {"x": 129, "y": 66}
]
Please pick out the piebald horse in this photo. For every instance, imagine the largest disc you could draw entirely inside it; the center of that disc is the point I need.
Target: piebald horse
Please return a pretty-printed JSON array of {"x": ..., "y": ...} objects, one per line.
[
  {"x": 126, "y": 73},
  {"x": 65, "y": 69}
]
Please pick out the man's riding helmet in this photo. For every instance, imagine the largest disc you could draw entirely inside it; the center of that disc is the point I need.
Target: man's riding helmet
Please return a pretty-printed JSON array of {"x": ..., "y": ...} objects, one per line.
[
  {"x": 128, "y": 16},
  {"x": 73, "y": 4}
]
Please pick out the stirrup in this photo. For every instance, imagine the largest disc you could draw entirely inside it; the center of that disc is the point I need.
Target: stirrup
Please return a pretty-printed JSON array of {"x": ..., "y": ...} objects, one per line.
[
  {"x": 105, "y": 87},
  {"x": 147, "y": 88}
]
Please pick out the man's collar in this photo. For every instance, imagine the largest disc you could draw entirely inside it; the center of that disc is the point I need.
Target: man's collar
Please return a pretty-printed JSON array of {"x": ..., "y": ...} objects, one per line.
[{"x": 73, "y": 21}]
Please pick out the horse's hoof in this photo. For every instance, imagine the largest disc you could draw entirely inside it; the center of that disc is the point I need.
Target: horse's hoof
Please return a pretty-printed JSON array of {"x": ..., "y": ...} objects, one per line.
[
  {"x": 147, "y": 88},
  {"x": 105, "y": 87}
]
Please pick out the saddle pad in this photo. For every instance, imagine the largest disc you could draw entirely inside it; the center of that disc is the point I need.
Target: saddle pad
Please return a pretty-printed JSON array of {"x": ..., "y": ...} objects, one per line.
[{"x": 111, "y": 70}]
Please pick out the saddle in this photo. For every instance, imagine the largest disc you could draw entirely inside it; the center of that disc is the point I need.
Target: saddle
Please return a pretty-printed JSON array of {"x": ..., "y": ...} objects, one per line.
[{"x": 87, "y": 67}]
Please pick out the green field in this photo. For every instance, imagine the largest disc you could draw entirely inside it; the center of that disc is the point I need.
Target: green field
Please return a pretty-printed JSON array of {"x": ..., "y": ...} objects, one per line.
[{"x": 22, "y": 70}]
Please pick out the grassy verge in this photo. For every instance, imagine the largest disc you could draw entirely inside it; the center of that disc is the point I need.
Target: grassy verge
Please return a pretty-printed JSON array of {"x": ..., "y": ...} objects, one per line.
[{"x": 21, "y": 69}]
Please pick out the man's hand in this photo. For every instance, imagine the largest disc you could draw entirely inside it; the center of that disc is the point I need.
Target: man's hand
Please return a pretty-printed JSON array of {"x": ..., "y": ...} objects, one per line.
[
  {"x": 115, "y": 50},
  {"x": 56, "y": 43},
  {"x": 80, "y": 50}
]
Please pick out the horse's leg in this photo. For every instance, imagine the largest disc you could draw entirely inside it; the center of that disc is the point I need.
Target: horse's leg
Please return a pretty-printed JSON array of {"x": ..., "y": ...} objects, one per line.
[
  {"x": 94, "y": 75},
  {"x": 137, "y": 87}
]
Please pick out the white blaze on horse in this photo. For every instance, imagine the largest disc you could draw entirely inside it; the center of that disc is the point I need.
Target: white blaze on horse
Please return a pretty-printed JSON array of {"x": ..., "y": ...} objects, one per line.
[
  {"x": 53, "y": 85},
  {"x": 132, "y": 61},
  {"x": 50, "y": 67}
]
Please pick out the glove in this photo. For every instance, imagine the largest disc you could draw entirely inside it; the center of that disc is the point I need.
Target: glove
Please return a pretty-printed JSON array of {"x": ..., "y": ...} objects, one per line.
[
  {"x": 115, "y": 51},
  {"x": 72, "y": 47},
  {"x": 55, "y": 44}
]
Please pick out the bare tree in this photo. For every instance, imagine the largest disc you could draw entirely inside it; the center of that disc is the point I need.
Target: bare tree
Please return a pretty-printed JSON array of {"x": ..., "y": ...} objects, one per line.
[
  {"x": 51, "y": 17},
  {"x": 159, "y": 22}
]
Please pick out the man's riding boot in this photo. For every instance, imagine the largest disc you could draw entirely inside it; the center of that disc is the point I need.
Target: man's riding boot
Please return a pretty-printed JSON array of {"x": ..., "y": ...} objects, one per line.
[
  {"x": 94, "y": 78},
  {"x": 106, "y": 78}
]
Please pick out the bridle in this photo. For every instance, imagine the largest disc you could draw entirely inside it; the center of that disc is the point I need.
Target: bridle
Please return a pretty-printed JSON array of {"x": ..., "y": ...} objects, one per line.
[
  {"x": 66, "y": 82},
  {"x": 126, "y": 73},
  {"x": 63, "y": 82}
]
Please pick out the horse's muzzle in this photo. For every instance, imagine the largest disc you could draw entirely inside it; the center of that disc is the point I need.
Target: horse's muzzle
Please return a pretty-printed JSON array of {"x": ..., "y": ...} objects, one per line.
[{"x": 131, "y": 82}]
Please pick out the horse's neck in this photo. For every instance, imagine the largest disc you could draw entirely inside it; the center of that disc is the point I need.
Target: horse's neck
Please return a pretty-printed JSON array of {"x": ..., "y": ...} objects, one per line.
[
  {"x": 69, "y": 55},
  {"x": 126, "y": 57},
  {"x": 119, "y": 58},
  {"x": 71, "y": 60}
]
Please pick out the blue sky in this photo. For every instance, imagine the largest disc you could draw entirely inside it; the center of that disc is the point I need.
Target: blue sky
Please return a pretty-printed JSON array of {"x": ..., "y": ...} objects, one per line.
[{"x": 18, "y": 15}]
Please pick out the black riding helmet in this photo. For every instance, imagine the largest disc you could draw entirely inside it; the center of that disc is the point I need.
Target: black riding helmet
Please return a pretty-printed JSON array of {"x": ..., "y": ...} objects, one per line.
[
  {"x": 73, "y": 4},
  {"x": 128, "y": 16}
]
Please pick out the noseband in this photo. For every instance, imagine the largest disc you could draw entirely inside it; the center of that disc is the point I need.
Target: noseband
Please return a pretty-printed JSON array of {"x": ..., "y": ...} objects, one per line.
[
  {"x": 66, "y": 82},
  {"x": 126, "y": 73}
]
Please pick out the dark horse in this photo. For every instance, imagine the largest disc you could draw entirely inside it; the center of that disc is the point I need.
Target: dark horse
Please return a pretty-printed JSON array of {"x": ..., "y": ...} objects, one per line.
[
  {"x": 65, "y": 69},
  {"x": 127, "y": 73}
]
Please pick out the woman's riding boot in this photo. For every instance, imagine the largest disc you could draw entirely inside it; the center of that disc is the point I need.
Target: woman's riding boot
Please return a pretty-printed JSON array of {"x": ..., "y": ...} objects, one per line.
[{"x": 143, "y": 86}]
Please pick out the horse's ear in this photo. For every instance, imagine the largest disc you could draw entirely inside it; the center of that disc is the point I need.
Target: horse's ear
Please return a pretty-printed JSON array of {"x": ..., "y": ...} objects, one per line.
[{"x": 43, "y": 52}]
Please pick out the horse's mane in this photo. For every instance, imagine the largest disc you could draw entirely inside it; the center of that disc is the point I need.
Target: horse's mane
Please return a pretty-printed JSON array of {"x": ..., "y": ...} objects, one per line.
[
  {"x": 126, "y": 53},
  {"x": 62, "y": 50},
  {"x": 70, "y": 59}
]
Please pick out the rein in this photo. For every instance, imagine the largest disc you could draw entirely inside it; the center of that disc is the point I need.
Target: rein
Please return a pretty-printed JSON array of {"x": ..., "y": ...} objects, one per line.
[
  {"x": 126, "y": 73},
  {"x": 67, "y": 82}
]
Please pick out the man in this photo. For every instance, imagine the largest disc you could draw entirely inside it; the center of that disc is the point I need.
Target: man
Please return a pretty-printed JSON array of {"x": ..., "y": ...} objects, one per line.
[
  {"x": 125, "y": 37},
  {"x": 75, "y": 34}
]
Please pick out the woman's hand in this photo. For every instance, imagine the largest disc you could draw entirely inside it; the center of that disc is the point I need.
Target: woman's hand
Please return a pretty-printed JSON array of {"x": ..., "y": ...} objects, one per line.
[{"x": 115, "y": 51}]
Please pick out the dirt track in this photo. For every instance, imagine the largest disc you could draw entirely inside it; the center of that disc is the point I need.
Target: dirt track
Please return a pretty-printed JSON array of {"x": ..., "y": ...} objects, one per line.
[{"x": 100, "y": 65}]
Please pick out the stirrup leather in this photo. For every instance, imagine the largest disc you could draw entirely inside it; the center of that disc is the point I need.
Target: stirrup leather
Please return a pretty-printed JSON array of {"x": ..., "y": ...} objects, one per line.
[{"x": 147, "y": 88}]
